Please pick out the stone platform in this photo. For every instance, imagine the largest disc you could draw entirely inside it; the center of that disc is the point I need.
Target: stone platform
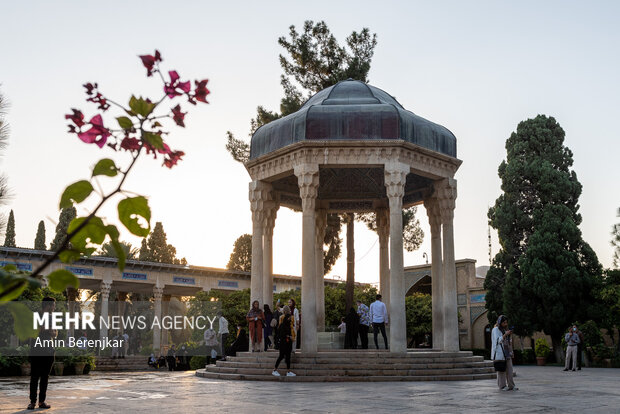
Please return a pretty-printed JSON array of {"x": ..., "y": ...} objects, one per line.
[
  {"x": 129, "y": 363},
  {"x": 355, "y": 365}
]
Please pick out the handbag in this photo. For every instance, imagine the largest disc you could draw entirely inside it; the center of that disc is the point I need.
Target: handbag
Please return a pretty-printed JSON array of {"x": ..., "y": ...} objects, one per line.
[{"x": 500, "y": 364}]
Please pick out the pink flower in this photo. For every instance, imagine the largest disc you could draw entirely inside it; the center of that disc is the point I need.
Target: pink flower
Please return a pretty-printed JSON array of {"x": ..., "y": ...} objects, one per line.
[
  {"x": 97, "y": 134},
  {"x": 77, "y": 118},
  {"x": 149, "y": 62},
  {"x": 201, "y": 91},
  {"x": 171, "y": 88},
  {"x": 130, "y": 144},
  {"x": 171, "y": 159},
  {"x": 178, "y": 116}
]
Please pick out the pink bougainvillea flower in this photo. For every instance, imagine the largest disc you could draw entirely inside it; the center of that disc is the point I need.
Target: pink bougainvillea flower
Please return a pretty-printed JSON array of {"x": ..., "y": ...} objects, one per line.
[
  {"x": 97, "y": 134},
  {"x": 130, "y": 144},
  {"x": 201, "y": 91},
  {"x": 77, "y": 117},
  {"x": 178, "y": 116},
  {"x": 90, "y": 88},
  {"x": 149, "y": 62},
  {"x": 171, "y": 88},
  {"x": 171, "y": 159}
]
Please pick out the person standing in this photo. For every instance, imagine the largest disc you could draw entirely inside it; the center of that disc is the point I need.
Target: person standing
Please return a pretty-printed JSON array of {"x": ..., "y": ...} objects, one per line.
[
  {"x": 171, "y": 358},
  {"x": 295, "y": 314},
  {"x": 350, "y": 336},
  {"x": 363, "y": 312},
  {"x": 125, "y": 346},
  {"x": 572, "y": 342},
  {"x": 222, "y": 331},
  {"x": 255, "y": 318},
  {"x": 274, "y": 324},
  {"x": 379, "y": 318},
  {"x": 501, "y": 350},
  {"x": 42, "y": 358},
  {"x": 268, "y": 330},
  {"x": 582, "y": 340},
  {"x": 286, "y": 332}
]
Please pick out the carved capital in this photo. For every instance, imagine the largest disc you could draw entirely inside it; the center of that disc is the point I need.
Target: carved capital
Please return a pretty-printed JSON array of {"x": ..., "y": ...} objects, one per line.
[
  {"x": 383, "y": 223},
  {"x": 446, "y": 194},
  {"x": 270, "y": 212},
  {"x": 395, "y": 179},
  {"x": 308, "y": 181},
  {"x": 105, "y": 287},
  {"x": 260, "y": 192},
  {"x": 158, "y": 292},
  {"x": 321, "y": 223},
  {"x": 433, "y": 212}
]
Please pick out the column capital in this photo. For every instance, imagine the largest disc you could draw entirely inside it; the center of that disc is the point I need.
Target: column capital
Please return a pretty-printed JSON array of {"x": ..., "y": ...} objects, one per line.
[
  {"x": 321, "y": 223},
  {"x": 308, "y": 181},
  {"x": 270, "y": 212},
  {"x": 105, "y": 287},
  {"x": 259, "y": 193},
  {"x": 445, "y": 191},
  {"x": 382, "y": 219},
  {"x": 433, "y": 212},
  {"x": 395, "y": 179},
  {"x": 158, "y": 292}
]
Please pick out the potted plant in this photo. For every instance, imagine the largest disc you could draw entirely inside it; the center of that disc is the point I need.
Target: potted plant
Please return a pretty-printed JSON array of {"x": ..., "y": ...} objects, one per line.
[
  {"x": 542, "y": 351},
  {"x": 25, "y": 368},
  {"x": 59, "y": 367},
  {"x": 79, "y": 362}
]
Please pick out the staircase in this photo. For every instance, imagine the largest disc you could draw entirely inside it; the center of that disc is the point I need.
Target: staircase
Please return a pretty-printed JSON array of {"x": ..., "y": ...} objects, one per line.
[
  {"x": 354, "y": 365},
  {"x": 129, "y": 363}
]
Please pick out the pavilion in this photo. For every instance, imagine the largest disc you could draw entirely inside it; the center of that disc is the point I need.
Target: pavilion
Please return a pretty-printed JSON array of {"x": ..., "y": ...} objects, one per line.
[{"x": 353, "y": 148}]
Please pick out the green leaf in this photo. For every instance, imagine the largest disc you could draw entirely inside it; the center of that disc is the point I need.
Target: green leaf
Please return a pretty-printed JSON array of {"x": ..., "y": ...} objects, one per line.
[
  {"x": 141, "y": 106},
  {"x": 93, "y": 232},
  {"x": 69, "y": 256},
  {"x": 120, "y": 254},
  {"x": 59, "y": 279},
  {"x": 22, "y": 320},
  {"x": 124, "y": 122},
  {"x": 76, "y": 192},
  {"x": 11, "y": 286},
  {"x": 153, "y": 139},
  {"x": 129, "y": 212},
  {"x": 105, "y": 167}
]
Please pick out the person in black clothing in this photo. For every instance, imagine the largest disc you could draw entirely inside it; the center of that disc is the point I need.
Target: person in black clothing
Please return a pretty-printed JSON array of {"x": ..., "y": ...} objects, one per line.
[
  {"x": 42, "y": 359},
  {"x": 241, "y": 344},
  {"x": 171, "y": 359},
  {"x": 274, "y": 323},
  {"x": 286, "y": 332},
  {"x": 352, "y": 323}
]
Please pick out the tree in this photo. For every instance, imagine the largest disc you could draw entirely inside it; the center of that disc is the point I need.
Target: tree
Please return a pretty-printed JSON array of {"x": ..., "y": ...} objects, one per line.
[
  {"x": 157, "y": 248},
  {"x": 9, "y": 239},
  {"x": 546, "y": 273},
  {"x": 413, "y": 235},
  {"x": 108, "y": 250},
  {"x": 241, "y": 256},
  {"x": 419, "y": 317},
  {"x": 615, "y": 242},
  {"x": 143, "y": 254},
  {"x": 4, "y": 139},
  {"x": 39, "y": 240},
  {"x": 66, "y": 215}
]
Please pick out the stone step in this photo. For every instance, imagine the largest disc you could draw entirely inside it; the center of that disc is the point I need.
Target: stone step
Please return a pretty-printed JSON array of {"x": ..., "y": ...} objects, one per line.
[
  {"x": 297, "y": 358},
  {"x": 363, "y": 354},
  {"x": 331, "y": 378},
  {"x": 368, "y": 366},
  {"x": 354, "y": 372}
]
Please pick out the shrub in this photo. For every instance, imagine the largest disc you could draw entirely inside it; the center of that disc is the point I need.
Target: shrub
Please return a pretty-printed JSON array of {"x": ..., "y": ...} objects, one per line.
[
  {"x": 592, "y": 333},
  {"x": 197, "y": 362},
  {"x": 529, "y": 357},
  {"x": 542, "y": 348}
]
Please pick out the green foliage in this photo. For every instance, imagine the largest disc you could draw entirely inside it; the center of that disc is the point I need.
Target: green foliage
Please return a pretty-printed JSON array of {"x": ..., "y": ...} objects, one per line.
[
  {"x": 413, "y": 235},
  {"x": 542, "y": 348},
  {"x": 591, "y": 332},
  {"x": 610, "y": 296},
  {"x": 140, "y": 106},
  {"x": 60, "y": 279},
  {"x": 106, "y": 166},
  {"x": 9, "y": 239},
  {"x": 157, "y": 249},
  {"x": 197, "y": 362},
  {"x": 39, "y": 240},
  {"x": 615, "y": 242},
  {"x": 241, "y": 256},
  {"x": 545, "y": 274},
  {"x": 419, "y": 316},
  {"x": 335, "y": 303},
  {"x": 76, "y": 193},
  {"x": 109, "y": 250},
  {"x": 66, "y": 216},
  {"x": 131, "y": 211}
]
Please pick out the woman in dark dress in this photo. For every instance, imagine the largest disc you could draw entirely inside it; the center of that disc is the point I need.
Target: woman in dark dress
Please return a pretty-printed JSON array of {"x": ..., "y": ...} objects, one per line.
[
  {"x": 352, "y": 322},
  {"x": 268, "y": 330}
]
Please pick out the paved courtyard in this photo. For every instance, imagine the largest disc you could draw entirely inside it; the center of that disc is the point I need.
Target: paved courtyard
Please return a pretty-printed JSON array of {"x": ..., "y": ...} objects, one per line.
[{"x": 542, "y": 389}]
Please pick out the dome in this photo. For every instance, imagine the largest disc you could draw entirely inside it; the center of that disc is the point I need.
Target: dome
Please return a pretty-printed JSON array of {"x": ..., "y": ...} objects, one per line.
[{"x": 352, "y": 110}]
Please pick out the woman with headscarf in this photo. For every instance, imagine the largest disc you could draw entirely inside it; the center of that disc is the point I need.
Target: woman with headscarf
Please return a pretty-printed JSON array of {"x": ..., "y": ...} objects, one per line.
[
  {"x": 352, "y": 323},
  {"x": 295, "y": 314},
  {"x": 268, "y": 328},
  {"x": 501, "y": 350},
  {"x": 286, "y": 333},
  {"x": 255, "y": 318},
  {"x": 239, "y": 345}
]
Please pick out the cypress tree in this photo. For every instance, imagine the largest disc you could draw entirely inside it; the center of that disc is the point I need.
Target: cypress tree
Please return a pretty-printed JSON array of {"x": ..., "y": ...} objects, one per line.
[
  {"x": 545, "y": 275},
  {"x": 66, "y": 215},
  {"x": 144, "y": 254},
  {"x": 39, "y": 241},
  {"x": 9, "y": 239},
  {"x": 241, "y": 256}
]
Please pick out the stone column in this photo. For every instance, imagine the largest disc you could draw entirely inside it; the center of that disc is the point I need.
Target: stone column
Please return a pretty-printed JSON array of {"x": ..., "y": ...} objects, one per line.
[
  {"x": 434, "y": 218},
  {"x": 71, "y": 296},
  {"x": 447, "y": 198},
  {"x": 395, "y": 178},
  {"x": 157, "y": 294},
  {"x": 106, "y": 285},
  {"x": 321, "y": 223},
  {"x": 122, "y": 297},
  {"x": 258, "y": 195},
  {"x": 383, "y": 229},
  {"x": 269, "y": 221},
  {"x": 308, "y": 180},
  {"x": 165, "y": 311}
]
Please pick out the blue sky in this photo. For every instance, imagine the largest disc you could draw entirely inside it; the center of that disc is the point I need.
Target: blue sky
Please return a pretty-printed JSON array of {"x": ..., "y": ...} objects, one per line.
[{"x": 478, "y": 68}]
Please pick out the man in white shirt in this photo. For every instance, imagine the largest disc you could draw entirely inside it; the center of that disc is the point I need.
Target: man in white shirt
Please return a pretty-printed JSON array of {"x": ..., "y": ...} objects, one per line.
[
  {"x": 379, "y": 318},
  {"x": 223, "y": 330}
]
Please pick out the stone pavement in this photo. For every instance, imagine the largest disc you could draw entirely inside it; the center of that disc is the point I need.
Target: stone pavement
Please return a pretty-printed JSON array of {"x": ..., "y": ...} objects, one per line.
[{"x": 542, "y": 389}]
